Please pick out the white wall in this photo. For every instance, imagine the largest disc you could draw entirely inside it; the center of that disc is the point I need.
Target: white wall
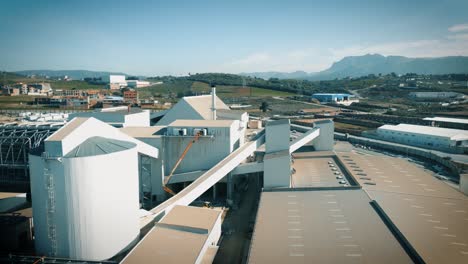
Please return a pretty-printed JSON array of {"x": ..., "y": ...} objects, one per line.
[
  {"x": 102, "y": 203},
  {"x": 204, "y": 153},
  {"x": 212, "y": 239},
  {"x": 137, "y": 119},
  {"x": 325, "y": 140},
  {"x": 277, "y": 170},
  {"x": 277, "y": 135},
  {"x": 425, "y": 141}
]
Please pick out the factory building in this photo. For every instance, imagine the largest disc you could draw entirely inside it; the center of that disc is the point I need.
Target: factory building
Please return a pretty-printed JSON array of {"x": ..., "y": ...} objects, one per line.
[
  {"x": 122, "y": 116},
  {"x": 92, "y": 176},
  {"x": 85, "y": 188},
  {"x": 344, "y": 99},
  {"x": 115, "y": 81},
  {"x": 443, "y": 139}
]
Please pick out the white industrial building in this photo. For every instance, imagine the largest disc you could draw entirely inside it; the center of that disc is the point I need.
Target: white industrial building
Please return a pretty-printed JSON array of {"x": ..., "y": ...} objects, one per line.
[
  {"x": 96, "y": 172},
  {"x": 121, "y": 116},
  {"x": 115, "y": 79},
  {"x": 85, "y": 187},
  {"x": 444, "y": 139},
  {"x": 137, "y": 83}
]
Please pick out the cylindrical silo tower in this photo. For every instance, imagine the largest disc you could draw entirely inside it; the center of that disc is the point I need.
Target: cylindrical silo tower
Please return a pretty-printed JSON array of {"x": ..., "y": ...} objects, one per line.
[{"x": 86, "y": 203}]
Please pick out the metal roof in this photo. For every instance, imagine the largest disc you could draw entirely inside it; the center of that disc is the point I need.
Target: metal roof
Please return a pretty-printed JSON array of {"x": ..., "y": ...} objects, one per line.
[
  {"x": 447, "y": 120},
  {"x": 99, "y": 146},
  {"x": 430, "y": 214},
  {"x": 321, "y": 227},
  {"x": 428, "y": 130}
]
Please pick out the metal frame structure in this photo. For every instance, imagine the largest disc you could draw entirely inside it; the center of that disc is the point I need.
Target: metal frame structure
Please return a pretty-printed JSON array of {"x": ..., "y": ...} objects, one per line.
[{"x": 16, "y": 141}]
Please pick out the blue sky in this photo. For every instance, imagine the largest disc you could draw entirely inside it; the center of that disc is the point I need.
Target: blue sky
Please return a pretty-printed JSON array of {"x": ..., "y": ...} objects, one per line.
[{"x": 178, "y": 37}]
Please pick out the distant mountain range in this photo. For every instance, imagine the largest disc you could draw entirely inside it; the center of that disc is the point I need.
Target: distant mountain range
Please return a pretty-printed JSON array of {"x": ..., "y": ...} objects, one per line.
[
  {"x": 356, "y": 66},
  {"x": 74, "y": 74}
]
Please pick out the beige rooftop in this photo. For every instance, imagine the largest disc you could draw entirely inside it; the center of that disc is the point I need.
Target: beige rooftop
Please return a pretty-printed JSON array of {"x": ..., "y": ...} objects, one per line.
[
  {"x": 321, "y": 227},
  {"x": 430, "y": 214},
  {"x": 173, "y": 242}
]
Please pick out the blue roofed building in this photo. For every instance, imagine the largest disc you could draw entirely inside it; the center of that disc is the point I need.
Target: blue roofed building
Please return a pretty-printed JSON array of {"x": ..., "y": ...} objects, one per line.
[{"x": 335, "y": 98}]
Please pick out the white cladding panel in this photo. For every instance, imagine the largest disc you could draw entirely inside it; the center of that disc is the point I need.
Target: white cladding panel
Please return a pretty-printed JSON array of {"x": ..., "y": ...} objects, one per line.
[
  {"x": 138, "y": 119},
  {"x": 103, "y": 203},
  {"x": 325, "y": 140},
  {"x": 96, "y": 204}
]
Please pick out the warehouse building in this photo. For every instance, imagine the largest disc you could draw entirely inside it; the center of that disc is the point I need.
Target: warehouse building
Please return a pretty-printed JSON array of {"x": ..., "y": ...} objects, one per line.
[
  {"x": 457, "y": 123},
  {"x": 344, "y": 99},
  {"x": 443, "y": 139}
]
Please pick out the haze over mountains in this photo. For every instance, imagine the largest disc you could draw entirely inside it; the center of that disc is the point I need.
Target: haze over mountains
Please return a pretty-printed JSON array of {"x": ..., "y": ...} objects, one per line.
[
  {"x": 352, "y": 66},
  {"x": 355, "y": 66},
  {"x": 74, "y": 74}
]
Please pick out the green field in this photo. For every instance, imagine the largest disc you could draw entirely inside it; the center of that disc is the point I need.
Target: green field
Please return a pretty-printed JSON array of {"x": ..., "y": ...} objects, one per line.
[
  {"x": 185, "y": 87},
  {"x": 78, "y": 85}
]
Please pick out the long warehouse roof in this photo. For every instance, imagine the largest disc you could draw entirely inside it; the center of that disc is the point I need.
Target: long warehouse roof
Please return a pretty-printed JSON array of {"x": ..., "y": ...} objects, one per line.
[
  {"x": 447, "y": 119},
  {"x": 423, "y": 208},
  {"x": 337, "y": 226},
  {"x": 427, "y": 130}
]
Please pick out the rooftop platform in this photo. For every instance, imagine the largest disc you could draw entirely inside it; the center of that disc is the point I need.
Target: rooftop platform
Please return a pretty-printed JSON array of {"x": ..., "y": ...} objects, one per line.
[
  {"x": 317, "y": 169},
  {"x": 333, "y": 226}
]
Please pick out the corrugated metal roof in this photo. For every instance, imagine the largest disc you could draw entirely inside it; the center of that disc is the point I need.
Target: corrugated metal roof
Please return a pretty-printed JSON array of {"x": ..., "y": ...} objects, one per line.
[
  {"x": 99, "y": 146},
  {"x": 427, "y": 130},
  {"x": 447, "y": 119}
]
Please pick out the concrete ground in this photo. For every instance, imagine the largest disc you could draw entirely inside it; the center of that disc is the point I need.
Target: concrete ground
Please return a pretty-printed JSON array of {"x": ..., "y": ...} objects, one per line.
[{"x": 238, "y": 226}]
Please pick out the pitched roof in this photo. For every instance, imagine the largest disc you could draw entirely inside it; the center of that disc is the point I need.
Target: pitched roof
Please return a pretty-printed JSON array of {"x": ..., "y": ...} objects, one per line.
[
  {"x": 98, "y": 146},
  {"x": 202, "y": 104}
]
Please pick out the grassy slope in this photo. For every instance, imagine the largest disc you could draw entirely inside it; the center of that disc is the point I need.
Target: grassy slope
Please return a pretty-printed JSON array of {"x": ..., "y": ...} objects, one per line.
[{"x": 223, "y": 91}]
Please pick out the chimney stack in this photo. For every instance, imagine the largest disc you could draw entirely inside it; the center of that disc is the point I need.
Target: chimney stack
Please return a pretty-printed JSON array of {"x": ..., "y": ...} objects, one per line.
[{"x": 213, "y": 101}]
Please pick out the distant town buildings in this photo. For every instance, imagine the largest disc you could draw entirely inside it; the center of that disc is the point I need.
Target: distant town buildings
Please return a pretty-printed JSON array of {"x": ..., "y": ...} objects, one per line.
[{"x": 131, "y": 96}]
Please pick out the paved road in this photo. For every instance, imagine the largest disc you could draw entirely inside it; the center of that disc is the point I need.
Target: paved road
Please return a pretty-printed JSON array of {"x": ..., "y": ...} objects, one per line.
[{"x": 236, "y": 245}]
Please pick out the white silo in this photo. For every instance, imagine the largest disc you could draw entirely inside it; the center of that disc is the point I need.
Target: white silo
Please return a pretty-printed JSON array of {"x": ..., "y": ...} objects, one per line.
[{"x": 85, "y": 203}]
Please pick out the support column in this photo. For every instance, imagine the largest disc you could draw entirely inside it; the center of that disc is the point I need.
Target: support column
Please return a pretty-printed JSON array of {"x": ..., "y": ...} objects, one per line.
[
  {"x": 214, "y": 191},
  {"x": 229, "y": 189}
]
